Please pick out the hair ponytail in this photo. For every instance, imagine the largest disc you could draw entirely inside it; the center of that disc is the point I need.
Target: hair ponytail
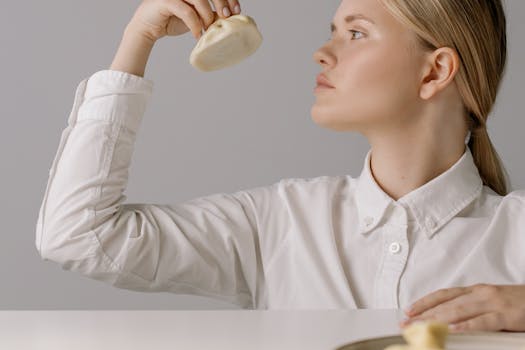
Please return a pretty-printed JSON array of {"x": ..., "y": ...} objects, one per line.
[{"x": 487, "y": 160}]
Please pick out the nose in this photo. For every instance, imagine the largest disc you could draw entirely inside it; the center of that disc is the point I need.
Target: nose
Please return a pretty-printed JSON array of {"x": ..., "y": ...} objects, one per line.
[{"x": 323, "y": 57}]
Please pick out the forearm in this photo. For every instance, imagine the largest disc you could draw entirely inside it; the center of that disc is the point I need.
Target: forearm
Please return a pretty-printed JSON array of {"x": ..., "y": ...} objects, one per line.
[{"x": 133, "y": 53}]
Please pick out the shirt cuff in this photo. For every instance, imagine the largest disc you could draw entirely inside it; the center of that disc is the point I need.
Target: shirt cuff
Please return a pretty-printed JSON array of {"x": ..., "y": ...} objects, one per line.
[{"x": 115, "y": 96}]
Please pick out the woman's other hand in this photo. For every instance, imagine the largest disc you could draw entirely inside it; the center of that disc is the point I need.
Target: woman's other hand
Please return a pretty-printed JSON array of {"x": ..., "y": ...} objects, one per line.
[{"x": 481, "y": 307}]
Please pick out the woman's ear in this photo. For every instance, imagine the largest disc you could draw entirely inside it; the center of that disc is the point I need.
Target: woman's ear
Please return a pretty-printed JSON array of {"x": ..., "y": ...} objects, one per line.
[{"x": 439, "y": 71}]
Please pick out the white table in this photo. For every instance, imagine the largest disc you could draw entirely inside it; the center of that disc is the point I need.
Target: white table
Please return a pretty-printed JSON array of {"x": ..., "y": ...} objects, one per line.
[{"x": 191, "y": 329}]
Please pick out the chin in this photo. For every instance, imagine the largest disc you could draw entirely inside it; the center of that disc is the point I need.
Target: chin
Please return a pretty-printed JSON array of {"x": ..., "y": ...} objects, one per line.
[{"x": 332, "y": 121}]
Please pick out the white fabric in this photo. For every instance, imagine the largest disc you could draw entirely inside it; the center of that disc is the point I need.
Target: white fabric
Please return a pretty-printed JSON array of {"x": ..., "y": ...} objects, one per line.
[{"x": 329, "y": 242}]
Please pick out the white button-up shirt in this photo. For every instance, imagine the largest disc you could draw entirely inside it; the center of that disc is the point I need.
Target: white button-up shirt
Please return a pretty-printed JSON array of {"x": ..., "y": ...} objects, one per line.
[{"x": 329, "y": 242}]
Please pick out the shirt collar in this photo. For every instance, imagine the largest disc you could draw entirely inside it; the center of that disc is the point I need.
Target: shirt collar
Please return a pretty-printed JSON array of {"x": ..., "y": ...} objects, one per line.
[{"x": 431, "y": 205}]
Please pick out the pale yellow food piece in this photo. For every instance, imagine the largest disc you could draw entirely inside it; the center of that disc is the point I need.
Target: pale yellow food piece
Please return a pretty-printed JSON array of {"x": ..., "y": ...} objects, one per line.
[
  {"x": 428, "y": 335},
  {"x": 398, "y": 347},
  {"x": 226, "y": 42},
  {"x": 409, "y": 347}
]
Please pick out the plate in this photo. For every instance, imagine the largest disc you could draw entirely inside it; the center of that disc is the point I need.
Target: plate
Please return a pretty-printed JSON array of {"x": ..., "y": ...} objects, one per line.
[{"x": 457, "y": 341}]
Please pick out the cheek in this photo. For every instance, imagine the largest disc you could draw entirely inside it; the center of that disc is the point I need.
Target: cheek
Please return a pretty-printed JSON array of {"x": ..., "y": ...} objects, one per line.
[
  {"x": 372, "y": 86},
  {"x": 377, "y": 83}
]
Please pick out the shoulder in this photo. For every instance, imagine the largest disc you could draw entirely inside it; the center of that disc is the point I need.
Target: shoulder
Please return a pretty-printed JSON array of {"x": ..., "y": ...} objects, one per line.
[
  {"x": 306, "y": 190},
  {"x": 319, "y": 183},
  {"x": 516, "y": 197},
  {"x": 514, "y": 201}
]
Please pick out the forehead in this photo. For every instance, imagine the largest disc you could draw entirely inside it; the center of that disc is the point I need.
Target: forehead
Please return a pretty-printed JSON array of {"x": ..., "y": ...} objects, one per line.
[
  {"x": 372, "y": 9},
  {"x": 383, "y": 21}
]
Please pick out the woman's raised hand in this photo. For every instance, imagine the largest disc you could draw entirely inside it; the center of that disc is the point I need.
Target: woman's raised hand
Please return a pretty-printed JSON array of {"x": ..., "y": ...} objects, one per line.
[{"x": 158, "y": 18}]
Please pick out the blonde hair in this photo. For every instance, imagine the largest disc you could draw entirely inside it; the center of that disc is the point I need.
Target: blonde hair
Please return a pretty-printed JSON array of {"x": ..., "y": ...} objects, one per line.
[{"x": 476, "y": 30}]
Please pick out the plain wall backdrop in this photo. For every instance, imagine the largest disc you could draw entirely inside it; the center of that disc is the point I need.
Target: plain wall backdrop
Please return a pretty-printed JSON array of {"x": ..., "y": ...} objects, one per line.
[{"x": 203, "y": 133}]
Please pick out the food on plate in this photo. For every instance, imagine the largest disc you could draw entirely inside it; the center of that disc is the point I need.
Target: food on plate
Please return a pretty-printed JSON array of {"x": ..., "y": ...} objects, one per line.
[
  {"x": 423, "y": 335},
  {"x": 225, "y": 43}
]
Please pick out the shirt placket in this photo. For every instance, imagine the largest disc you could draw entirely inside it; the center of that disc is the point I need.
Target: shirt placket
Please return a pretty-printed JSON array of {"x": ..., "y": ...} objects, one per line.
[{"x": 394, "y": 256}]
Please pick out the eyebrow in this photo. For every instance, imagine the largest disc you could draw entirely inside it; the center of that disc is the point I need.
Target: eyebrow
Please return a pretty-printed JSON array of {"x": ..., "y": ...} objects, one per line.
[{"x": 351, "y": 18}]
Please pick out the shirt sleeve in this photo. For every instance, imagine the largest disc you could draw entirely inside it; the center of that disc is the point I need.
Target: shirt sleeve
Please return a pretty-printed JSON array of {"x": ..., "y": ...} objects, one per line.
[{"x": 208, "y": 246}]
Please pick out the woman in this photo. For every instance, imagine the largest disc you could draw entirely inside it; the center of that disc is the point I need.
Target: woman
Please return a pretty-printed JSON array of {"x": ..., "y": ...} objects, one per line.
[{"x": 428, "y": 223}]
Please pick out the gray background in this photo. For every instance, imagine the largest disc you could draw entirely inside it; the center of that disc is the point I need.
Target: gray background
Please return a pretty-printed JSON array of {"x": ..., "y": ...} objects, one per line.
[{"x": 203, "y": 133}]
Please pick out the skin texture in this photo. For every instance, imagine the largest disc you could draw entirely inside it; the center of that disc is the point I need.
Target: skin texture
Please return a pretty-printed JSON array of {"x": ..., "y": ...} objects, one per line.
[{"x": 404, "y": 100}]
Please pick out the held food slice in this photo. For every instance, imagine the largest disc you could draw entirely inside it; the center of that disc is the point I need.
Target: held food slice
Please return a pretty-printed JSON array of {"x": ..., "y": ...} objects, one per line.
[
  {"x": 423, "y": 335},
  {"x": 430, "y": 334},
  {"x": 225, "y": 43}
]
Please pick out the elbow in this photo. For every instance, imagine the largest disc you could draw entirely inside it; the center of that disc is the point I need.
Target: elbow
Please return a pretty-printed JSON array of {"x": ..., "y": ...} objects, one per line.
[
  {"x": 65, "y": 247},
  {"x": 51, "y": 249},
  {"x": 49, "y": 252},
  {"x": 49, "y": 243},
  {"x": 63, "y": 239}
]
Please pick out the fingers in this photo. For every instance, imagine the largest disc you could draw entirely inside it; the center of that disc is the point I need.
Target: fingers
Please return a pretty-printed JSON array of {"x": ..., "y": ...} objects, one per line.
[
  {"x": 436, "y": 298},
  {"x": 226, "y": 8},
  {"x": 187, "y": 14},
  {"x": 223, "y": 9},
  {"x": 480, "y": 307},
  {"x": 235, "y": 7},
  {"x": 492, "y": 321},
  {"x": 462, "y": 308},
  {"x": 207, "y": 15}
]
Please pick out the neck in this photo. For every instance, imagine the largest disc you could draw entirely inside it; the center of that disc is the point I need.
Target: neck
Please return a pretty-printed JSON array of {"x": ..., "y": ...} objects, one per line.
[
  {"x": 415, "y": 144},
  {"x": 400, "y": 167},
  {"x": 409, "y": 152}
]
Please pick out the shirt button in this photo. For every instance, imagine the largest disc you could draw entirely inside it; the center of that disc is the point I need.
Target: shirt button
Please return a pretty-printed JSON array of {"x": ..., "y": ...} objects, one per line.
[
  {"x": 395, "y": 248},
  {"x": 430, "y": 223},
  {"x": 369, "y": 221}
]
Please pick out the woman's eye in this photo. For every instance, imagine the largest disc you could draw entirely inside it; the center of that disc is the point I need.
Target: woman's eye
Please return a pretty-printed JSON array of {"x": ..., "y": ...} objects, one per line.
[
  {"x": 355, "y": 31},
  {"x": 351, "y": 31}
]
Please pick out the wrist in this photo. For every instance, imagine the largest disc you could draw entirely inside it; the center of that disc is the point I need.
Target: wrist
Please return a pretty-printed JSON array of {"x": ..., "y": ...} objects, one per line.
[
  {"x": 133, "y": 52},
  {"x": 140, "y": 37}
]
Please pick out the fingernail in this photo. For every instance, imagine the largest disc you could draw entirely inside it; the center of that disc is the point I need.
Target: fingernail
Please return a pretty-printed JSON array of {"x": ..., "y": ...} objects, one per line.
[
  {"x": 226, "y": 12},
  {"x": 237, "y": 9}
]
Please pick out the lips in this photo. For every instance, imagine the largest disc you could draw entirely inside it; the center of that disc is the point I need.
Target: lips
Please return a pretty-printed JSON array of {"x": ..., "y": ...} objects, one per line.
[{"x": 323, "y": 81}]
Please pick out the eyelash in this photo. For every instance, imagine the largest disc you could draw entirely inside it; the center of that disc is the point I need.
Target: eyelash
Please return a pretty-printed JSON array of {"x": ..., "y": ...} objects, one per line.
[{"x": 351, "y": 31}]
